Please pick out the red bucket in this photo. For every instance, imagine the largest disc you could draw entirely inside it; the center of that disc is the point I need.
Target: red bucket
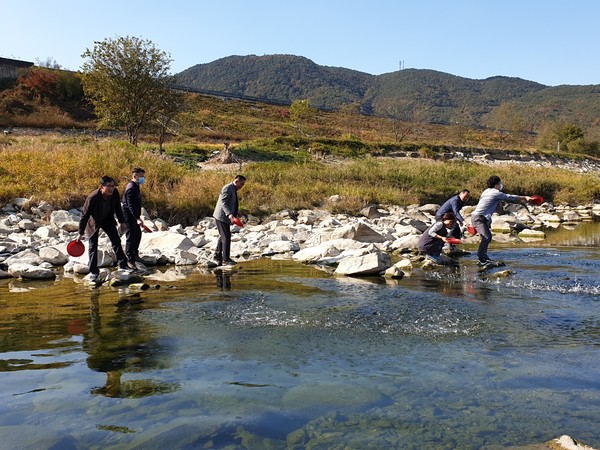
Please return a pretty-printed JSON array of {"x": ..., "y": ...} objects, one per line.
[
  {"x": 472, "y": 231},
  {"x": 75, "y": 248},
  {"x": 237, "y": 221},
  {"x": 537, "y": 200},
  {"x": 453, "y": 241}
]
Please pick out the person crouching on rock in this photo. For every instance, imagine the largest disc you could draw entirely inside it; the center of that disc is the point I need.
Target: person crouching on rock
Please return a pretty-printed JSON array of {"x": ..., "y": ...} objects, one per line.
[
  {"x": 99, "y": 210},
  {"x": 433, "y": 239}
]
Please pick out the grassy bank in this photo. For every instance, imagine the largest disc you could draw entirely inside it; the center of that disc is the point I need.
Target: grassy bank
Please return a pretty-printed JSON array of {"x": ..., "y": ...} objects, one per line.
[{"x": 63, "y": 170}]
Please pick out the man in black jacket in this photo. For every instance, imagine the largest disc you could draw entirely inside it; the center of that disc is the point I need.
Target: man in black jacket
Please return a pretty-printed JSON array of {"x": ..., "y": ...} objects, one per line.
[
  {"x": 132, "y": 210},
  {"x": 99, "y": 212}
]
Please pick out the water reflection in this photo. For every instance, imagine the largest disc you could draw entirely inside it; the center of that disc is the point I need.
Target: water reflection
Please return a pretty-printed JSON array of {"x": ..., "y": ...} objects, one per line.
[
  {"x": 287, "y": 356},
  {"x": 223, "y": 278},
  {"x": 117, "y": 342}
]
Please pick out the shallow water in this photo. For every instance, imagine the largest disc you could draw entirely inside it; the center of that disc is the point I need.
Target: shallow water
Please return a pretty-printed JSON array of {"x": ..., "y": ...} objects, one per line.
[{"x": 281, "y": 355}]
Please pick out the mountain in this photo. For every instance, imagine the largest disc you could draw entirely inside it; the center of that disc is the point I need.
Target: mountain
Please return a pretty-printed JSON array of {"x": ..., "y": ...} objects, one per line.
[{"x": 410, "y": 94}]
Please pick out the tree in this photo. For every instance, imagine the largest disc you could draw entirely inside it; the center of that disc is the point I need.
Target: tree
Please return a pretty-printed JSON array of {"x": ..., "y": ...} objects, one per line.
[
  {"x": 559, "y": 135},
  {"x": 126, "y": 78},
  {"x": 171, "y": 104},
  {"x": 301, "y": 112},
  {"x": 41, "y": 82}
]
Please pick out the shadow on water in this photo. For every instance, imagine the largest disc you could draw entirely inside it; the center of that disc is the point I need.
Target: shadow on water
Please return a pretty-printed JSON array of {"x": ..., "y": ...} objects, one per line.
[{"x": 275, "y": 354}]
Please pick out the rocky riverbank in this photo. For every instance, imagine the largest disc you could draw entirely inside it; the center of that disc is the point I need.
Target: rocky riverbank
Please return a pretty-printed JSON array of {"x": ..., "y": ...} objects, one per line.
[{"x": 33, "y": 238}]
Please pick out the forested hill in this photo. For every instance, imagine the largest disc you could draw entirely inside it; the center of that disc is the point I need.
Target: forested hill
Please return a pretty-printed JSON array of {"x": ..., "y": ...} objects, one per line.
[{"x": 410, "y": 94}]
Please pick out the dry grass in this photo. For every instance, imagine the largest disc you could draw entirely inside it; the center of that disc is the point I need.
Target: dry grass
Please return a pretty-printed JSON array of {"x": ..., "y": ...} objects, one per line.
[{"x": 63, "y": 170}]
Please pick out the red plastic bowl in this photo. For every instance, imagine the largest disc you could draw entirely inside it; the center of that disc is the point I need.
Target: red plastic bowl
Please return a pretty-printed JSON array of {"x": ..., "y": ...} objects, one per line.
[
  {"x": 75, "y": 248},
  {"x": 237, "y": 221},
  {"x": 537, "y": 199},
  {"x": 453, "y": 241},
  {"x": 472, "y": 231}
]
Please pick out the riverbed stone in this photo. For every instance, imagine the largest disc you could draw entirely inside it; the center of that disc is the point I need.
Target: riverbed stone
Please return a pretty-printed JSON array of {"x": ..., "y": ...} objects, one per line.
[
  {"x": 4, "y": 275},
  {"x": 359, "y": 232},
  {"x": 283, "y": 246},
  {"x": 532, "y": 234},
  {"x": 25, "y": 257},
  {"x": 65, "y": 220},
  {"x": 27, "y": 224},
  {"x": 166, "y": 242},
  {"x": 371, "y": 264},
  {"x": 54, "y": 256},
  {"x": 45, "y": 232},
  {"x": 30, "y": 271}
]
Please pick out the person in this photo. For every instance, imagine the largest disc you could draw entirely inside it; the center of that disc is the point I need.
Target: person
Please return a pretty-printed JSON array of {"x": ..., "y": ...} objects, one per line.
[
  {"x": 226, "y": 209},
  {"x": 132, "y": 210},
  {"x": 433, "y": 239},
  {"x": 481, "y": 217},
  {"x": 453, "y": 205},
  {"x": 99, "y": 210}
]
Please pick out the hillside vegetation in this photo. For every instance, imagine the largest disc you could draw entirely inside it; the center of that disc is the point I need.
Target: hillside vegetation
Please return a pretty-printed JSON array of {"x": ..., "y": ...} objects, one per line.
[
  {"x": 63, "y": 170},
  {"x": 292, "y": 159},
  {"x": 411, "y": 94}
]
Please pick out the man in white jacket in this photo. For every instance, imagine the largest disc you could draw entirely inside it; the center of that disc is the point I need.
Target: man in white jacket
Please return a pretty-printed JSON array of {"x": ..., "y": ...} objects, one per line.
[{"x": 481, "y": 217}]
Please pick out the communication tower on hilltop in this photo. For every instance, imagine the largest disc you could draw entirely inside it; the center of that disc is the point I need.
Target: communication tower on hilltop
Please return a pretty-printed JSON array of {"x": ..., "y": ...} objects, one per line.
[{"x": 401, "y": 64}]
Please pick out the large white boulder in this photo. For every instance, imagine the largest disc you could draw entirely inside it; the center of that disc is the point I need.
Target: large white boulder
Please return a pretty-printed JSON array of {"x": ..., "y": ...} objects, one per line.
[
  {"x": 25, "y": 257},
  {"x": 64, "y": 220},
  {"x": 167, "y": 243},
  {"x": 54, "y": 256},
  {"x": 371, "y": 264},
  {"x": 29, "y": 271}
]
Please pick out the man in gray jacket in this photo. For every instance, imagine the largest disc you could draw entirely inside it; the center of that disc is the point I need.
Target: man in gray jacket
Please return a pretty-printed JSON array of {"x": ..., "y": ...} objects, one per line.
[{"x": 226, "y": 210}]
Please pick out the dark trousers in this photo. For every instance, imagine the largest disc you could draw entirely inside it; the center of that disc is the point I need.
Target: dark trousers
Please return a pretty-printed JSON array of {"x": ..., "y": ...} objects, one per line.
[
  {"x": 224, "y": 243},
  {"x": 111, "y": 231},
  {"x": 133, "y": 236},
  {"x": 482, "y": 226}
]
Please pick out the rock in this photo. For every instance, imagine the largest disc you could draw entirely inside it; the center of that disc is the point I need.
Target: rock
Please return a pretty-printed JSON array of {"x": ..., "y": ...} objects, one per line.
[
  {"x": 283, "y": 246},
  {"x": 502, "y": 274},
  {"x": 393, "y": 272},
  {"x": 4, "y": 275},
  {"x": 371, "y": 264},
  {"x": 544, "y": 217},
  {"x": 165, "y": 242},
  {"x": 53, "y": 256},
  {"x": 571, "y": 216},
  {"x": 45, "y": 232},
  {"x": 358, "y": 232},
  {"x": 404, "y": 264},
  {"x": 532, "y": 234},
  {"x": 139, "y": 286},
  {"x": 25, "y": 257},
  {"x": 29, "y": 271},
  {"x": 22, "y": 203},
  {"x": 567, "y": 443},
  {"x": 185, "y": 258},
  {"x": 429, "y": 208},
  {"x": 27, "y": 224},
  {"x": 371, "y": 212},
  {"x": 64, "y": 220},
  {"x": 124, "y": 278}
]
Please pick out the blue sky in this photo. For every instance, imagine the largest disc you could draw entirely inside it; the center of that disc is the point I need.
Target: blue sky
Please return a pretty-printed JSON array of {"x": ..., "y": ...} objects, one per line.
[{"x": 547, "y": 41}]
